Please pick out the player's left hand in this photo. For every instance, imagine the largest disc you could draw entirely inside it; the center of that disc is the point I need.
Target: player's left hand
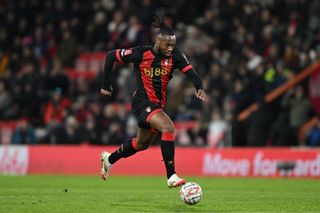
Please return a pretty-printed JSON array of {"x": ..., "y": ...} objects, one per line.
[{"x": 201, "y": 94}]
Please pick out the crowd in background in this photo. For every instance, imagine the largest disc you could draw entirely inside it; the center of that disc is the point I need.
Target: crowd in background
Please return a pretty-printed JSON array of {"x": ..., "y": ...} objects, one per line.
[{"x": 242, "y": 50}]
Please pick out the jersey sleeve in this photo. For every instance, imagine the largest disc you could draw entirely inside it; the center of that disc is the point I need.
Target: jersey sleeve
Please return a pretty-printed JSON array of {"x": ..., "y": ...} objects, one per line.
[
  {"x": 181, "y": 61},
  {"x": 127, "y": 55}
]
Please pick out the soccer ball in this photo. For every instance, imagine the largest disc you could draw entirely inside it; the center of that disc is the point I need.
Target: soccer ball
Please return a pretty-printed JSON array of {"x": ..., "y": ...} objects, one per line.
[{"x": 191, "y": 193}]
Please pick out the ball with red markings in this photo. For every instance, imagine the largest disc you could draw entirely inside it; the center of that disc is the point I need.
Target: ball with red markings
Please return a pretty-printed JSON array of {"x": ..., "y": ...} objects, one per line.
[{"x": 191, "y": 193}]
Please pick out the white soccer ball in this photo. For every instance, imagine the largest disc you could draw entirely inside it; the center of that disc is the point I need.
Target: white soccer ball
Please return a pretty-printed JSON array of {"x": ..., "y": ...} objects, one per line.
[{"x": 191, "y": 193}]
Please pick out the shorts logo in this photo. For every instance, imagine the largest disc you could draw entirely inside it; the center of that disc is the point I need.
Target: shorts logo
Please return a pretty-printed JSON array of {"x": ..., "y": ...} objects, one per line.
[{"x": 148, "y": 109}]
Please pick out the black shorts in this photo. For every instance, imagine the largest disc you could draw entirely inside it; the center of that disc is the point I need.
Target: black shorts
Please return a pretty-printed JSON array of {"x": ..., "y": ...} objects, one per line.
[{"x": 142, "y": 108}]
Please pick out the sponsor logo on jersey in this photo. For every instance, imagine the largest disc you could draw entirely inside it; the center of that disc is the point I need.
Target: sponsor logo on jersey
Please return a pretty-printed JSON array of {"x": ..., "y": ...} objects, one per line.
[{"x": 155, "y": 71}]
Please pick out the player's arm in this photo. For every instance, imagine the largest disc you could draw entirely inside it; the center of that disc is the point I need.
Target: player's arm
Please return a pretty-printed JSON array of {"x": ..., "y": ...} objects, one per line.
[
  {"x": 110, "y": 59},
  {"x": 121, "y": 56},
  {"x": 183, "y": 64},
  {"x": 194, "y": 77}
]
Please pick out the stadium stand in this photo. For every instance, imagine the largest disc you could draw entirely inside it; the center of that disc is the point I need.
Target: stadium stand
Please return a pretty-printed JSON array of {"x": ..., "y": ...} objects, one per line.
[{"x": 51, "y": 55}]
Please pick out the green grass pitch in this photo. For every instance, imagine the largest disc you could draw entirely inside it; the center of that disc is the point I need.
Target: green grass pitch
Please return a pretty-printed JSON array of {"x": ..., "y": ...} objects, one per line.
[{"x": 149, "y": 194}]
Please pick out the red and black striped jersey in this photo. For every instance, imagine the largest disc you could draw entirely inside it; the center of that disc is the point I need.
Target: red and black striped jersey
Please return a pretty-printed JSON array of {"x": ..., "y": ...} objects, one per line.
[{"x": 152, "y": 71}]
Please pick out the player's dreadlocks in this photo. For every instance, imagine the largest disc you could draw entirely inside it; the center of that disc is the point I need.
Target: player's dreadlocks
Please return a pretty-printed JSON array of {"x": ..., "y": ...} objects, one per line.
[{"x": 160, "y": 23}]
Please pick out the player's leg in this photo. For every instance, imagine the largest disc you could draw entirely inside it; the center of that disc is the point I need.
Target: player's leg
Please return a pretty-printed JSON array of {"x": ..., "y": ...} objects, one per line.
[
  {"x": 144, "y": 138},
  {"x": 141, "y": 108},
  {"x": 163, "y": 123}
]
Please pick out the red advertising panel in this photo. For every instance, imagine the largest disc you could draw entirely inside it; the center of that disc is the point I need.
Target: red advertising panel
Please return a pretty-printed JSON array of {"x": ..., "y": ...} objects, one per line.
[
  {"x": 265, "y": 162},
  {"x": 262, "y": 162},
  {"x": 86, "y": 160}
]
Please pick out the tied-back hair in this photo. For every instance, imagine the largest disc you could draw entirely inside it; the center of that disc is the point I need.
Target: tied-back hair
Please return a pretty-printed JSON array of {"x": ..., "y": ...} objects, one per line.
[{"x": 159, "y": 22}]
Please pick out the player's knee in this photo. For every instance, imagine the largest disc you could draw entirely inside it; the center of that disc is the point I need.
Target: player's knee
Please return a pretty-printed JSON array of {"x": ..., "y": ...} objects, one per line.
[{"x": 168, "y": 127}]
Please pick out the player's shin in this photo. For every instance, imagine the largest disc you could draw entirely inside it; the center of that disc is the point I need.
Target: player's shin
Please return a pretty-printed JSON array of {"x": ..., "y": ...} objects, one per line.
[
  {"x": 126, "y": 149},
  {"x": 167, "y": 150}
]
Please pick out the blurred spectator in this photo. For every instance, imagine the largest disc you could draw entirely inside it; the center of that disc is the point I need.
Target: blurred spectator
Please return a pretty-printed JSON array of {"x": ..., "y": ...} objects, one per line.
[
  {"x": 298, "y": 105},
  {"x": 112, "y": 128},
  {"x": 5, "y": 99},
  {"x": 116, "y": 29},
  {"x": 133, "y": 34},
  {"x": 241, "y": 96},
  {"x": 96, "y": 33},
  {"x": 175, "y": 96},
  {"x": 217, "y": 130},
  {"x": 88, "y": 131},
  {"x": 4, "y": 61},
  {"x": 24, "y": 133},
  {"x": 56, "y": 109},
  {"x": 216, "y": 84},
  {"x": 28, "y": 96},
  {"x": 259, "y": 125},
  {"x": 280, "y": 130},
  {"x": 67, "y": 49},
  {"x": 57, "y": 78},
  {"x": 67, "y": 133},
  {"x": 131, "y": 126},
  {"x": 313, "y": 137}
]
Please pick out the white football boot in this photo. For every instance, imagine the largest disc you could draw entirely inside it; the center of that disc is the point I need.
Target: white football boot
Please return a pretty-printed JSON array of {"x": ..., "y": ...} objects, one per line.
[
  {"x": 105, "y": 165},
  {"x": 175, "y": 181}
]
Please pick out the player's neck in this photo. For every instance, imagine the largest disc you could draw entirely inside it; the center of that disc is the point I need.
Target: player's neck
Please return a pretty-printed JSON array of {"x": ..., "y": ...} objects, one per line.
[
  {"x": 155, "y": 49},
  {"x": 156, "y": 52}
]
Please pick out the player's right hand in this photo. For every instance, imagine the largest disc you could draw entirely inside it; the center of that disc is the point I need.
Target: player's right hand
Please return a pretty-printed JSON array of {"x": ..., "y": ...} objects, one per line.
[{"x": 105, "y": 92}]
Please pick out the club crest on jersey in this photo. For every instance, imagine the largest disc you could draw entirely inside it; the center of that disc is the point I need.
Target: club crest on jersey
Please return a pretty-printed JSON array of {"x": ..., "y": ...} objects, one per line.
[
  {"x": 165, "y": 61},
  {"x": 148, "y": 109}
]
